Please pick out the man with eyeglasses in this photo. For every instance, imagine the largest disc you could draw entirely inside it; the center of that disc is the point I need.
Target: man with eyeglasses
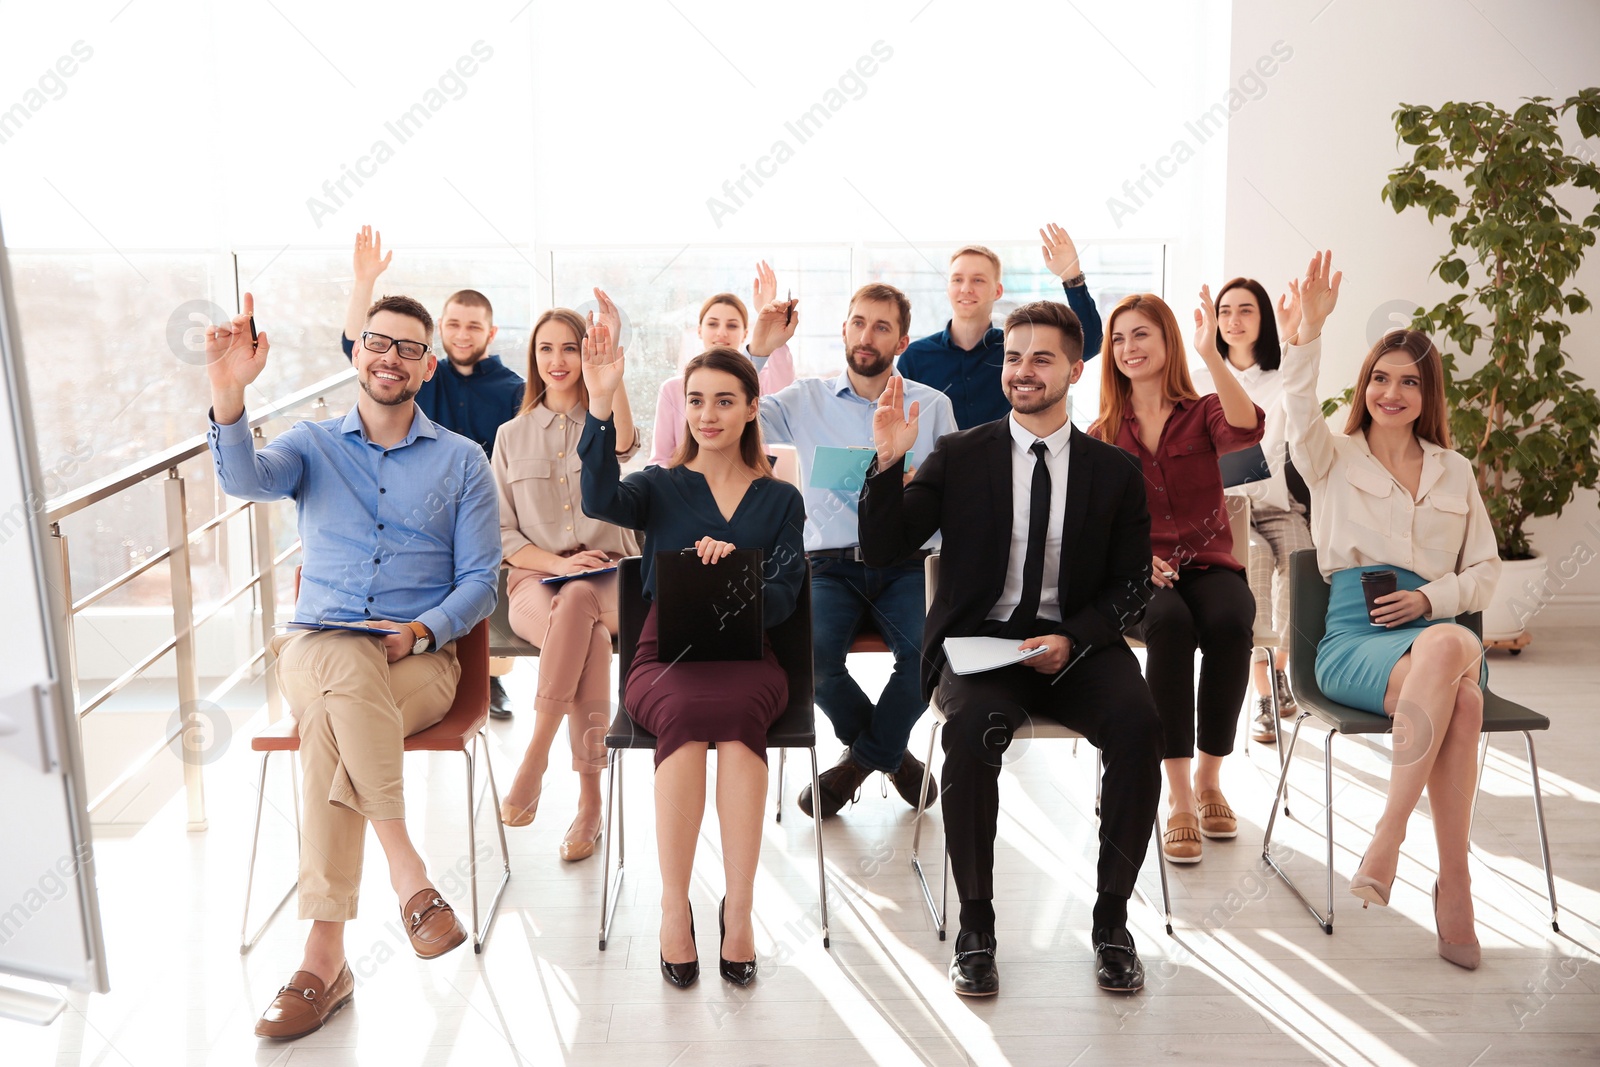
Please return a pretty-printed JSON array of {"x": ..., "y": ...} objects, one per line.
[
  {"x": 400, "y": 526},
  {"x": 472, "y": 393}
]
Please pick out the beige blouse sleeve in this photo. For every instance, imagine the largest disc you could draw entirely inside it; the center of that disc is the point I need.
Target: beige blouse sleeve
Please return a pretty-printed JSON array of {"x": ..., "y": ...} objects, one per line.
[{"x": 1310, "y": 440}]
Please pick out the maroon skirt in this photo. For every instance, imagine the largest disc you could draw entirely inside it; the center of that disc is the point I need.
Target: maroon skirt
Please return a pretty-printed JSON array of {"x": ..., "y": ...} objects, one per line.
[{"x": 712, "y": 701}]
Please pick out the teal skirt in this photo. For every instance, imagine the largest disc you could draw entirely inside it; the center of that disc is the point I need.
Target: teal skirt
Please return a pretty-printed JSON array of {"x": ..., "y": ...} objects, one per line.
[{"x": 1354, "y": 657}]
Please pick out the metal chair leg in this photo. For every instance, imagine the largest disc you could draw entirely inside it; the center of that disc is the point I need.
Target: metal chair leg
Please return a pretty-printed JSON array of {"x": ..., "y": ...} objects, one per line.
[
  {"x": 611, "y": 883},
  {"x": 822, "y": 877},
  {"x": 934, "y": 911},
  {"x": 783, "y": 761},
  {"x": 1544, "y": 840},
  {"x": 1279, "y": 796},
  {"x": 248, "y": 941},
  {"x": 480, "y": 934}
]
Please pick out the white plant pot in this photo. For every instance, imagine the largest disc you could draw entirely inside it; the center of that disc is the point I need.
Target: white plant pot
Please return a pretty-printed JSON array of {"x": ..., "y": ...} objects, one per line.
[{"x": 1522, "y": 590}]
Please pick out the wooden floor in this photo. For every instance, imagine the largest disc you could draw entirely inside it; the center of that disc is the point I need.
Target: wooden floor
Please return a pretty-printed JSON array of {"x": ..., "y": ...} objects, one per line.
[{"x": 1249, "y": 977}]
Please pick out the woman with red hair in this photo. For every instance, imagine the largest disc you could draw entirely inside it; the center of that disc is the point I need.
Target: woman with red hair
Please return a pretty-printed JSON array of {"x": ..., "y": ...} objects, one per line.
[{"x": 1149, "y": 407}]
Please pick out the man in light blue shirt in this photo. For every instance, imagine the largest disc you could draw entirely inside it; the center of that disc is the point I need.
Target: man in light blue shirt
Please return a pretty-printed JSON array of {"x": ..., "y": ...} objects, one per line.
[
  {"x": 400, "y": 526},
  {"x": 845, "y": 592}
]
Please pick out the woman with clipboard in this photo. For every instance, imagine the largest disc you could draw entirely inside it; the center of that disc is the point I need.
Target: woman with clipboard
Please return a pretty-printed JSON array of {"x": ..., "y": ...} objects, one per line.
[
  {"x": 545, "y": 534},
  {"x": 718, "y": 494}
]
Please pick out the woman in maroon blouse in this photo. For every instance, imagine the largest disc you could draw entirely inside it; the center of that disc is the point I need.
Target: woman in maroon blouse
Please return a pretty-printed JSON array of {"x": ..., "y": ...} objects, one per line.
[{"x": 1148, "y": 406}]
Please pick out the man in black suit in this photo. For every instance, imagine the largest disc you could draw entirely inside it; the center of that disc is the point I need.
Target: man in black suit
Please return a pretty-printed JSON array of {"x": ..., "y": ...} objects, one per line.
[{"x": 1046, "y": 540}]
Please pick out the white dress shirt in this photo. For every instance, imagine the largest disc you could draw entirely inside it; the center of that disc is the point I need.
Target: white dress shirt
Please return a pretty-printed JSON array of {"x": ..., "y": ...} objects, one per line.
[
  {"x": 1363, "y": 516},
  {"x": 1022, "y": 464},
  {"x": 1265, "y": 388}
]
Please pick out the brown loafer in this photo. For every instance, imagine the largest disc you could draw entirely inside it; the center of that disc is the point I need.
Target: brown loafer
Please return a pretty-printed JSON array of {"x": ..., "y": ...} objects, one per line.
[
  {"x": 302, "y": 1006},
  {"x": 1181, "y": 842},
  {"x": 431, "y": 924},
  {"x": 1216, "y": 817}
]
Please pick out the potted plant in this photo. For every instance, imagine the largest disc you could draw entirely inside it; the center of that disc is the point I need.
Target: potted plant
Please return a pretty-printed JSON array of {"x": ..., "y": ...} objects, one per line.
[{"x": 1521, "y": 415}]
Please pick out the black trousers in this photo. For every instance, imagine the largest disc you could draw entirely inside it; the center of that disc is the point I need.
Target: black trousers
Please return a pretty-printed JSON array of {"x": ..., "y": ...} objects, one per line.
[
  {"x": 1214, "y": 611},
  {"x": 1103, "y": 697}
]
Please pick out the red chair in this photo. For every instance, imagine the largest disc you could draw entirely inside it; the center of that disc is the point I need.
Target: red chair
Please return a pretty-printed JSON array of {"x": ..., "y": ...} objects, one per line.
[{"x": 459, "y": 731}]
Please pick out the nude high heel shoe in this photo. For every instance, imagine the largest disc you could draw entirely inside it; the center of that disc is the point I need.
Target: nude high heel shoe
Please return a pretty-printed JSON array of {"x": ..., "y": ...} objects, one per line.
[
  {"x": 1370, "y": 890},
  {"x": 1467, "y": 955},
  {"x": 512, "y": 815}
]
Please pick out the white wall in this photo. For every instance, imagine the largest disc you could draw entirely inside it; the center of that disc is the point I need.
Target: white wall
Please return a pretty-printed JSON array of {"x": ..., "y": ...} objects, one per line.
[{"x": 1306, "y": 165}]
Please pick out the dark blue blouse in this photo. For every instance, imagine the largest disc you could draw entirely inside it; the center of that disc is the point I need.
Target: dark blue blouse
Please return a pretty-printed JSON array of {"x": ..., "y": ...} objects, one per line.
[{"x": 674, "y": 507}]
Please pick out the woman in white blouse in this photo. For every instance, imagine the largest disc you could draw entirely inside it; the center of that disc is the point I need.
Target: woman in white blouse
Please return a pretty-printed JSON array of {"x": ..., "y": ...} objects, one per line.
[
  {"x": 1247, "y": 333},
  {"x": 1390, "y": 494}
]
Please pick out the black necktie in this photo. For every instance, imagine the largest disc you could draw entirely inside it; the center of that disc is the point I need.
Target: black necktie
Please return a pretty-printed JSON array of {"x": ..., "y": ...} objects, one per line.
[{"x": 1027, "y": 612}]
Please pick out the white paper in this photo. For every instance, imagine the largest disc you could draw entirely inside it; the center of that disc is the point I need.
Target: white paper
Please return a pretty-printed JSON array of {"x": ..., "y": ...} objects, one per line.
[{"x": 973, "y": 655}]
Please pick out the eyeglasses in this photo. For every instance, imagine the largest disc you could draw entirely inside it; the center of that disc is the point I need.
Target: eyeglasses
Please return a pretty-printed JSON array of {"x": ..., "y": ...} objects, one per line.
[{"x": 378, "y": 344}]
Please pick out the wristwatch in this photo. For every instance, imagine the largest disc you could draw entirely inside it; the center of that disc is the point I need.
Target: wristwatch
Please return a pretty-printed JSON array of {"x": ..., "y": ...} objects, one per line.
[
  {"x": 1074, "y": 281},
  {"x": 424, "y": 639}
]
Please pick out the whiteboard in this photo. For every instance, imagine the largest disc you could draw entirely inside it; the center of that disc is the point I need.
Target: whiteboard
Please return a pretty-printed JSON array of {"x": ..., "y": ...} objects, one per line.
[{"x": 49, "y": 911}]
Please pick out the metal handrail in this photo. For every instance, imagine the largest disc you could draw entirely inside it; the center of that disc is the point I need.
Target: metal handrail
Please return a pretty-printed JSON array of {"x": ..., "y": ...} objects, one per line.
[
  {"x": 183, "y": 451},
  {"x": 186, "y": 621}
]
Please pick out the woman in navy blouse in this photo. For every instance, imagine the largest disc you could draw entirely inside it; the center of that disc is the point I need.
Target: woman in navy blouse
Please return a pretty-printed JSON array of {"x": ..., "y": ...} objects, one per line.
[{"x": 718, "y": 495}]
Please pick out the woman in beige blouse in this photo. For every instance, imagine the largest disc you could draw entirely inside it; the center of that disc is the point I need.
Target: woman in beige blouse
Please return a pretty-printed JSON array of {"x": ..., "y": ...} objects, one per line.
[
  {"x": 544, "y": 533},
  {"x": 1389, "y": 495}
]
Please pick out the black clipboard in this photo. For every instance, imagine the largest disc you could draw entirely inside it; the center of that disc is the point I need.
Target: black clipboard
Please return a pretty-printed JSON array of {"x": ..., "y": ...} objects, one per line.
[{"x": 707, "y": 612}]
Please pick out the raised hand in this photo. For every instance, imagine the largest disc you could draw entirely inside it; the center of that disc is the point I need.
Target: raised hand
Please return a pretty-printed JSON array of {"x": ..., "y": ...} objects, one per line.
[
  {"x": 602, "y": 369},
  {"x": 1205, "y": 327},
  {"x": 608, "y": 315},
  {"x": 764, "y": 290},
  {"x": 1060, "y": 254},
  {"x": 369, "y": 260},
  {"x": 233, "y": 361},
  {"x": 894, "y": 431},
  {"x": 1289, "y": 313},
  {"x": 769, "y": 332},
  {"x": 1319, "y": 293}
]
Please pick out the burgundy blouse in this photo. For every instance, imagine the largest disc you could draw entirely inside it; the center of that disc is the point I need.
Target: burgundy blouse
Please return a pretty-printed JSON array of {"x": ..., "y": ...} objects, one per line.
[{"x": 1188, "y": 517}]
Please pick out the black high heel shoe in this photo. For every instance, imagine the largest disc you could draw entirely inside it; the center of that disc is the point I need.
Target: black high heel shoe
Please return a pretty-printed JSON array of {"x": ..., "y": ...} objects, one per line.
[
  {"x": 682, "y": 975},
  {"x": 740, "y": 973}
]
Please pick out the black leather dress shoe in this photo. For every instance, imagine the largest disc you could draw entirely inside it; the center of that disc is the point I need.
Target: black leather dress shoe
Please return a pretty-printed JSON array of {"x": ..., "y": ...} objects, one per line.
[
  {"x": 1116, "y": 961},
  {"x": 499, "y": 700},
  {"x": 973, "y": 972},
  {"x": 839, "y": 785},
  {"x": 908, "y": 779}
]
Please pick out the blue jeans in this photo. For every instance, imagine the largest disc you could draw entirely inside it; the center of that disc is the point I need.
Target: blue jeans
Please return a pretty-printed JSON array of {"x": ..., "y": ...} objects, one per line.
[{"x": 843, "y": 593}]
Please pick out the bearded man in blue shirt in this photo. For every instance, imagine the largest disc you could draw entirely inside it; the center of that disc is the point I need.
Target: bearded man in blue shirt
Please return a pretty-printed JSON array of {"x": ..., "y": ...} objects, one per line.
[
  {"x": 846, "y": 594},
  {"x": 400, "y": 528}
]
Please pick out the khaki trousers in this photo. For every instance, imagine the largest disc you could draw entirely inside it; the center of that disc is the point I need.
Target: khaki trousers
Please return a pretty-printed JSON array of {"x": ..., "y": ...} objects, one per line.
[
  {"x": 572, "y": 624},
  {"x": 355, "y": 710}
]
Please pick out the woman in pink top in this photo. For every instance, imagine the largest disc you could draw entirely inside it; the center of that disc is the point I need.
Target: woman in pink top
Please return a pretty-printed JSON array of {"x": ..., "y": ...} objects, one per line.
[{"x": 725, "y": 321}]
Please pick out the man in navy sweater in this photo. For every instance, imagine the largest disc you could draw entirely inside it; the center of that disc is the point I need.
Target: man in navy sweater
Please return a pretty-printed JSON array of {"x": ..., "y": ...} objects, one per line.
[{"x": 963, "y": 360}]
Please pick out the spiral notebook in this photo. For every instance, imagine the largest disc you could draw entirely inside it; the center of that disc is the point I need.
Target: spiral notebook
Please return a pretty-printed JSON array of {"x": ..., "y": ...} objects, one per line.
[{"x": 709, "y": 611}]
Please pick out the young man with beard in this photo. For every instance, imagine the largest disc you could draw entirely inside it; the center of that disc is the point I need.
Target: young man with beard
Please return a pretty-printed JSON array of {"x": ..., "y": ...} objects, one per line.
[
  {"x": 401, "y": 527},
  {"x": 1047, "y": 543},
  {"x": 473, "y": 393},
  {"x": 845, "y": 591},
  {"x": 963, "y": 361}
]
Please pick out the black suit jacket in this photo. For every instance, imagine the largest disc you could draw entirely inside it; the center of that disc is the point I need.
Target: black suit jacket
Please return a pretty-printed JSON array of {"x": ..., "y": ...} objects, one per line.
[{"x": 963, "y": 489}]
